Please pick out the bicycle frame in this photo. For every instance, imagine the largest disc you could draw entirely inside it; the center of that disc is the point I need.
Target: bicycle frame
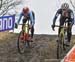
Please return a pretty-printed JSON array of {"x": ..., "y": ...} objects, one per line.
[
  {"x": 23, "y": 38},
  {"x": 63, "y": 30},
  {"x": 61, "y": 40},
  {"x": 26, "y": 31},
  {"x": 62, "y": 33}
]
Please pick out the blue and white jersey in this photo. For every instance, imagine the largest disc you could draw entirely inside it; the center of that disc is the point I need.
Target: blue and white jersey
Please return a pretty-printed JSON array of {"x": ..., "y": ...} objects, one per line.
[{"x": 30, "y": 15}]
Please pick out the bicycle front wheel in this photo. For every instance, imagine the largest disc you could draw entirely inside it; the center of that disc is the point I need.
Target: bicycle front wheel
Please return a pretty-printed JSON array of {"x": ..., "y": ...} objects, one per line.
[
  {"x": 60, "y": 51},
  {"x": 21, "y": 43}
]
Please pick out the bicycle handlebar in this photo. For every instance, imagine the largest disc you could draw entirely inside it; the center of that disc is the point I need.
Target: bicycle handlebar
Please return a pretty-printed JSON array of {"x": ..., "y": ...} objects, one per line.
[
  {"x": 22, "y": 24},
  {"x": 66, "y": 27},
  {"x": 25, "y": 24},
  {"x": 59, "y": 26}
]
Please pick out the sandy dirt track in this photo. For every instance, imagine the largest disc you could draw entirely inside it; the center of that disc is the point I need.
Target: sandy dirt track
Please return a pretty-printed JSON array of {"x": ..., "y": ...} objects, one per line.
[{"x": 43, "y": 49}]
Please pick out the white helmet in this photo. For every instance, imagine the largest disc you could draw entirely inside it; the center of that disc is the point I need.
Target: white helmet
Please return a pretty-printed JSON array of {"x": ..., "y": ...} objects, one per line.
[{"x": 65, "y": 6}]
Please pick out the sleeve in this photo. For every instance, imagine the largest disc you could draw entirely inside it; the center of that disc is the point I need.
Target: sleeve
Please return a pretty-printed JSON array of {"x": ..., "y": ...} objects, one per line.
[
  {"x": 72, "y": 18},
  {"x": 56, "y": 15},
  {"x": 32, "y": 19},
  {"x": 20, "y": 17}
]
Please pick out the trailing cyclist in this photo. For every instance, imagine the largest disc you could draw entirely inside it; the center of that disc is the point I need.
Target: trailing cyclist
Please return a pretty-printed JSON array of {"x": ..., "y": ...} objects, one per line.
[
  {"x": 65, "y": 13},
  {"x": 27, "y": 16}
]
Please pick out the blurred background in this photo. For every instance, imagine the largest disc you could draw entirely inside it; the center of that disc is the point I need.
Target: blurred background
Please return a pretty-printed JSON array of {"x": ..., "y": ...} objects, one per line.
[{"x": 44, "y": 13}]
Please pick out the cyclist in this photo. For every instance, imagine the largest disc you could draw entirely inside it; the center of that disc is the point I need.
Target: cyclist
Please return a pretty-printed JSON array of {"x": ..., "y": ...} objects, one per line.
[
  {"x": 65, "y": 13},
  {"x": 27, "y": 15}
]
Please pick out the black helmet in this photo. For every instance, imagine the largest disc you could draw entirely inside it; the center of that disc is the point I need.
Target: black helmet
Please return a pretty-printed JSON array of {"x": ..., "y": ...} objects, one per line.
[{"x": 65, "y": 6}]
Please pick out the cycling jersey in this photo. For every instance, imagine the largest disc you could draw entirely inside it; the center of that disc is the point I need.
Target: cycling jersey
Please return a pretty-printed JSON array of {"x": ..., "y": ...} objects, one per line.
[
  {"x": 64, "y": 15},
  {"x": 29, "y": 16}
]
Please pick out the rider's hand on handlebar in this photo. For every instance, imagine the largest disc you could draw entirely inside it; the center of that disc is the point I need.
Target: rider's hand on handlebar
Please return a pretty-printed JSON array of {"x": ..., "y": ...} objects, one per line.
[
  {"x": 53, "y": 26},
  {"x": 67, "y": 27},
  {"x": 30, "y": 26}
]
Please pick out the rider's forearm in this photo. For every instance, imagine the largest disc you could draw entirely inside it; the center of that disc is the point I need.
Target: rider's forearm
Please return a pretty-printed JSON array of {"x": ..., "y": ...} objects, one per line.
[
  {"x": 54, "y": 20},
  {"x": 72, "y": 18},
  {"x": 32, "y": 20},
  {"x": 33, "y": 23},
  {"x": 72, "y": 22}
]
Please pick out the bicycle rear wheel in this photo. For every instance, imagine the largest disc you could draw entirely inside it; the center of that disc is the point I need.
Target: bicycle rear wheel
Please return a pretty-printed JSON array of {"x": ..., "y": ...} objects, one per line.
[{"x": 21, "y": 43}]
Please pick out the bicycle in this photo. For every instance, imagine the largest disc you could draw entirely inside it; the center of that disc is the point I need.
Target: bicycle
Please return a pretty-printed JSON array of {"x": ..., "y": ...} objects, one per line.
[
  {"x": 24, "y": 38},
  {"x": 62, "y": 38}
]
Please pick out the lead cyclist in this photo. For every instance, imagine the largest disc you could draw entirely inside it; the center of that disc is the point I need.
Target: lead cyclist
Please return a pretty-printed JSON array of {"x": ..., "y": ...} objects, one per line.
[{"x": 27, "y": 16}]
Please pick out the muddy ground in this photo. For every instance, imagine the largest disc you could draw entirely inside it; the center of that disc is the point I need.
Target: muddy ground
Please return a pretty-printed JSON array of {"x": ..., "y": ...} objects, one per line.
[{"x": 43, "y": 49}]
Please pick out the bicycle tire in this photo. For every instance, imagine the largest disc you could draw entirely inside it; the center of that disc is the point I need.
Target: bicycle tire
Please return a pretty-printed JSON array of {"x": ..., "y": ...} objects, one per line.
[
  {"x": 28, "y": 43},
  {"x": 20, "y": 50},
  {"x": 60, "y": 48}
]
